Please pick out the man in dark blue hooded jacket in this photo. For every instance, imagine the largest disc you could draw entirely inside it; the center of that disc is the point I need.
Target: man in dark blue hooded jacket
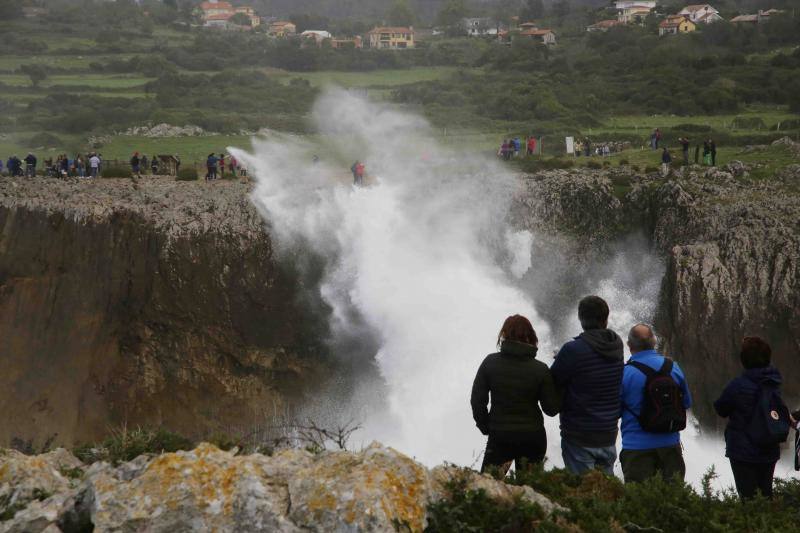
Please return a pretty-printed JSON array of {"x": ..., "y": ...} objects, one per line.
[{"x": 588, "y": 370}]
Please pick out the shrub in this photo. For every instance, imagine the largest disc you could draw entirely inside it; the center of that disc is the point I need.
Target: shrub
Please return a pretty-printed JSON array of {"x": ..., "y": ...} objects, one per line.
[
  {"x": 187, "y": 174},
  {"x": 537, "y": 165},
  {"x": 650, "y": 169},
  {"x": 595, "y": 165},
  {"x": 623, "y": 162},
  {"x": 125, "y": 445},
  {"x": 473, "y": 510},
  {"x": 117, "y": 171}
]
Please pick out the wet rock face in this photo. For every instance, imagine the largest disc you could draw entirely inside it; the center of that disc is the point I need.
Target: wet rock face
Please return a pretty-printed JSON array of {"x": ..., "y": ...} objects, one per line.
[
  {"x": 732, "y": 250},
  {"x": 206, "y": 489},
  {"x": 143, "y": 303}
]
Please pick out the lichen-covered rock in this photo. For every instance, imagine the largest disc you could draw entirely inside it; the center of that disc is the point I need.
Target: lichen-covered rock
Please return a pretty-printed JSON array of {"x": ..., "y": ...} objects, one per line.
[
  {"x": 373, "y": 490},
  {"x": 34, "y": 489},
  {"x": 207, "y": 489}
]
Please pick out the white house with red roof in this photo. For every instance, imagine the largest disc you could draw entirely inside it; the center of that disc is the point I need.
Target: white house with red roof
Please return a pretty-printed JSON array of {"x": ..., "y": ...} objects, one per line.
[
  {"x": 701, "y": 13},
  {"x": 216, "y": 13}
]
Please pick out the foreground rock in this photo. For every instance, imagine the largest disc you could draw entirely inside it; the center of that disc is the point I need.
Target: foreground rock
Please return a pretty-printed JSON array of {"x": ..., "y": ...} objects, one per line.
[{"x": 377, "y": 489}]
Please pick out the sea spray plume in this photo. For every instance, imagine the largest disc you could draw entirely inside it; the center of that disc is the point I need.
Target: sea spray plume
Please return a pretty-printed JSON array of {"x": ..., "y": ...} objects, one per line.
[{"x": 413, "y": 254}]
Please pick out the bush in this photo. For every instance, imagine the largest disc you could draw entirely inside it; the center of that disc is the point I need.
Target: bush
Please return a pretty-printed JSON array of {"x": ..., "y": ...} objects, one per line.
[
  {"x": 125, "y": 445},
  {"x": 595, "y": 165},
  {"x": 473, "y": 510},
  {"x": 116, "y": 172},
  {"x": 537, "y": 165},
  {"x": 650, "y": 169},
  {"x": 187, "y": 174},
  {"x": 623, "y": 162}
]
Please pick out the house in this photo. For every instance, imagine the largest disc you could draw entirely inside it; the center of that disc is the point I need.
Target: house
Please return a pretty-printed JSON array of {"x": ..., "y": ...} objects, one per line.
[
  {"x": 634, "y": 14},
  {"x": 701, "y": 13},
  {"x": 603, "y": 25},
  {"x": 745, "y": 19},
  {"x": 317, "y": 36},
  {"x": 395, "y": 38},
  {"x": 479, "y": 27},
  {"x": 282, "y": 28},
  {"x": 347, "y": 42},
  {"x": 216, "y": 14},
  {"x": 675, "y": 24},
  {"x": 545, "y": 35},
  {"x": 625, "y": 4}
]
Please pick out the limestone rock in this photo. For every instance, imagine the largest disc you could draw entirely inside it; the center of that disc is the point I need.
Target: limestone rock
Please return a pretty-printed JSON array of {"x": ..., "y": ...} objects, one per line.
[{"x": 368, "y": 491}]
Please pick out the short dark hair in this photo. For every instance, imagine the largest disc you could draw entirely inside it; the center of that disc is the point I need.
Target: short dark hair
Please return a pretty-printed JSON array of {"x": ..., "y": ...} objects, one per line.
[
  {"x": 518, "y": 328},
  {"x": 755, "y": 353},
  {"x": 593, "y": 312}
]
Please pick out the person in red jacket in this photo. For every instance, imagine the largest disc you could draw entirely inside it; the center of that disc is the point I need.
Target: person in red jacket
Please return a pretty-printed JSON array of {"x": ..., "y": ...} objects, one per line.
[{"x": 531, "y": 145}]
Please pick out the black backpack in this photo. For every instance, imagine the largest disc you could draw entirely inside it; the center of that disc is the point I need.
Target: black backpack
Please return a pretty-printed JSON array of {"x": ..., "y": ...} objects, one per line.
[
  {"x": 769, "y": 424},
  {"x": 662, "y": 400}
]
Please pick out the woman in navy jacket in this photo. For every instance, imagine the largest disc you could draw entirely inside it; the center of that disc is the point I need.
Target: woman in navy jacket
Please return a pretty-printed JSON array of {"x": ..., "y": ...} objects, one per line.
[{"x": 753, "y": 465}]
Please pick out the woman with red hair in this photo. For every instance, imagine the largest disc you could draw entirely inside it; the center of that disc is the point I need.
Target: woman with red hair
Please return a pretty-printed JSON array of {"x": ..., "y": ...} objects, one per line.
[{"x": 517, "y": 383}]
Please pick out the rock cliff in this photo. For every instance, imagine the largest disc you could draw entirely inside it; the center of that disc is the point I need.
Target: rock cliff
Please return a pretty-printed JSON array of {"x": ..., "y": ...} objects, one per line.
[
  {"x": 206, "y": 489},
  {"x": 731, "y": 246},
  {"x": 137, "y": 302}
]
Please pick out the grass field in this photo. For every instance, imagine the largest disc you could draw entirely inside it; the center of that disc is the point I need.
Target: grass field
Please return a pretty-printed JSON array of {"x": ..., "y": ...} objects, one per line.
[
  {"x": 100, "y": 81},
  {"x": 375, "y": 78}
]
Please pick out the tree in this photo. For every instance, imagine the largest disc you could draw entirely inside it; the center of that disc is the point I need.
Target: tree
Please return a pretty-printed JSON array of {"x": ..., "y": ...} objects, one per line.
[
  {"x": 531, "y": 10},
  {"x": 451, "y": 14},
  {"x": 400, "y": 14},
  {"x": 36, "y": 73},
  {"x": 10, "y": 9},
  {"x": 240, "y": 19}
]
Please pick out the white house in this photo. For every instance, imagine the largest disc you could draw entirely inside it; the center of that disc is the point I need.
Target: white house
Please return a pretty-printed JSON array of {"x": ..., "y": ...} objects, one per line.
[
  {"x": 478, "y": 27},
  {"x": 634, "y": 14},
  {"x": 317, "y": 35},
  {"x": 701, "y": 13},
  {"x": 625, "y": 4}
]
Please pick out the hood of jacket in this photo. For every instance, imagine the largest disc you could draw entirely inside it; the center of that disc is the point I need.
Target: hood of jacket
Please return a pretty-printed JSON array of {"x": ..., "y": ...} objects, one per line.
[
  {"x": 605, "y": 342},
  {"x": 768, "y": 375},
  {"x": 518, "y": 348}
]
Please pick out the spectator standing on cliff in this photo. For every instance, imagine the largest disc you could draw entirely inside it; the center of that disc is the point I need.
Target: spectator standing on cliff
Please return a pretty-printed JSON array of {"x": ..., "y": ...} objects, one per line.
[
  {"x": 154, "y": 165},
  {"x": 211, "y": 166},
  {"x": 232, "y": 163},
  {"x": 177, "y": 163},
  {"x": 517, "y": 144},
  {"x": 588, "y": 370},
  {"x": 685, "y": 149},
  {"x": 666, "y": 159},
  {"x": 712, "y": 148},
  {"x": 30, "y": 165},
  {"x": 80, "y": 166},
  {"x": 145, "y": 162},
  {"x": 221, "y": 165},
  {"x": 654, "y": 399},
  {"x": 531, "y": 145},
  {"x": 517, "y": 384},
  {"x": 94, "y": 165},
  {"x": 707, "y": 152},
  {"x": 135, "y": 162},
  {"x": 758, "y": 420}
]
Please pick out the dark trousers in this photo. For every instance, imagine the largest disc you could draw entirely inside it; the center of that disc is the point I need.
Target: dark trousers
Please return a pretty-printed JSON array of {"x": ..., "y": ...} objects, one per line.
[
  {"x": 503, "y": 448},
  {"x": 752, "y": 477},
  {"x": 639, "y": 465}
]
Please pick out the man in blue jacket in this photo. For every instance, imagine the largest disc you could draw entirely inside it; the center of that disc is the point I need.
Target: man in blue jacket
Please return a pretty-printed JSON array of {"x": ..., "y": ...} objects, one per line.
[
  {"x": 588, "y": 370},
  {"x": 643, "y": 453}
]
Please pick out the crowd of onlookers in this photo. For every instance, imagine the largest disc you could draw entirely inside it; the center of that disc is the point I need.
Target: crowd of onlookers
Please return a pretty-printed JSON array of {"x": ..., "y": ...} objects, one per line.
[
  {"x": 80, "y": 166},
  {"x": 597, "y": 395}
]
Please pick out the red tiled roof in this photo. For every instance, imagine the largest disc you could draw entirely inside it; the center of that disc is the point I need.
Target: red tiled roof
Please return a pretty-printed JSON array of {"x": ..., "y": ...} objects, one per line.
[
  {"x": 390, "y": 29},
  {"x": 205, "y": 6},
  {"x": 219, "y": 16},
  {"x": 535, "y": 33},
  {"x": 605, "y": 23}
]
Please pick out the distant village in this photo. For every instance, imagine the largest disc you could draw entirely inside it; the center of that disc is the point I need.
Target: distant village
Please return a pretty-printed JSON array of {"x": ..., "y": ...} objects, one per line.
[{"x": 223, "y": 15}]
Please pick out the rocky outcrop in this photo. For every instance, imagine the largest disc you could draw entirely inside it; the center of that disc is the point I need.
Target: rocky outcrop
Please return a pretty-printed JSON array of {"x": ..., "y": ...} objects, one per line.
[
  {"x": 206, "y": 489},
  {"x": 143, "y": 303},
  {"x": 732, "y": 248}
]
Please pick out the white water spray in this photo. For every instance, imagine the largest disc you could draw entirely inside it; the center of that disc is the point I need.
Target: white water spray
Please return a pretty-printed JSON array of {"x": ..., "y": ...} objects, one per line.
[{"x": 423, "y": 259}]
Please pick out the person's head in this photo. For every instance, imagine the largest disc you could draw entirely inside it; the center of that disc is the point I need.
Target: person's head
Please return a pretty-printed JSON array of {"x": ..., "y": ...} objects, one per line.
[
  {"x": 517, "y": 328},
  {"x": 756, "y": 353},
  {"x": 593, "y": 313},
  {"x": 642, "y": 337}
]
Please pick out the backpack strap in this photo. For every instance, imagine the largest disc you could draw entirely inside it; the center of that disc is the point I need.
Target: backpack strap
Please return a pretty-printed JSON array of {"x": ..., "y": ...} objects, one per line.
[
  {"x": 666, "y": 368},
  {"x": 643, "y": 368}
]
